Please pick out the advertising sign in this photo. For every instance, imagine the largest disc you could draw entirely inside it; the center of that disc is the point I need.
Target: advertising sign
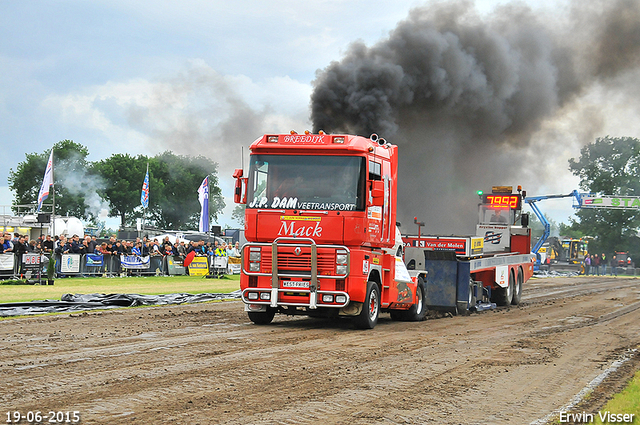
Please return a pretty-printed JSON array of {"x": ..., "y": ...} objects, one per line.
[
  {"x": 134, "y": 262},
  {"x": 199, "y": 266},
  {"x": 94, "y": 260},
  {"x": 31, "y": 262},
  {"x": 615, "y": 202},
  {"x": 175, "y": 266},
  {"x": 6, "y": 261},
  {"x": 463, "y": 246},
  {"x": 70, "y": 263},
  {"x": 235, "y": 264},
  {"x": 496, "y": 237}
]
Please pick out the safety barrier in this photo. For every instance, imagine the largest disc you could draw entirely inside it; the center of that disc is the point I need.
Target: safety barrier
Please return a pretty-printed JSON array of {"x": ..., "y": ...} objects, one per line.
[{"x": 90, "y": 265}]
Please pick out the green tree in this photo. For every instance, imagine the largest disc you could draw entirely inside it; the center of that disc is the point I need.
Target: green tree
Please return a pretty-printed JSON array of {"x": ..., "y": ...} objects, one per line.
[
  {"x": 571, "y": 230},
  {"x": 609, "y": 166},
  {"x": 238, "y": 214},
  {"x": 176, "y": 205},
  {"x": 73, "y": 179},
  {"x": 123, "y": 175}
]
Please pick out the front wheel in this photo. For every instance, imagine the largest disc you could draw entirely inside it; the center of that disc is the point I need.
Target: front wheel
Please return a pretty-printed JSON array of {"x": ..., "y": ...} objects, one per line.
[
  {"x": 262, "y": 317},
  {"x": 368, "y": 317}
]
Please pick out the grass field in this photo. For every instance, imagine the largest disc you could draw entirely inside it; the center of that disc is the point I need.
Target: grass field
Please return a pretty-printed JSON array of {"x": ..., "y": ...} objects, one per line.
[
  {"x": 628, "y": 401},
  {"x": 152, "y": 285}
]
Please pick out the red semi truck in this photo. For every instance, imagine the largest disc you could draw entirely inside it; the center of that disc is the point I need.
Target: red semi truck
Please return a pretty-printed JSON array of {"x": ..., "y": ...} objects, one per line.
[{"x": 320, "y": 221}]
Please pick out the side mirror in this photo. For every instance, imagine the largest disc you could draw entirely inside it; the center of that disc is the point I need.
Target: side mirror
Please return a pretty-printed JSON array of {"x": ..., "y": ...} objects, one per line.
[
  {"x": 524, "y": 220},
  {"x": 240, "y": 193},
  {"x": 377, "y": 192}
]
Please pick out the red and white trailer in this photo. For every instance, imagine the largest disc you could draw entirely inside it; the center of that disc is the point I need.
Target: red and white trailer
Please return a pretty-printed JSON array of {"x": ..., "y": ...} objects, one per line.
[{"x": 494, "y": 264}]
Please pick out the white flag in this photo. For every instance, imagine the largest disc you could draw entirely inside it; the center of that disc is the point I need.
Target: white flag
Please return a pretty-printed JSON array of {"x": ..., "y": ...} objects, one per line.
[
  {"x": 203, "y": 197},
  {"x": 46, "y": 182}
]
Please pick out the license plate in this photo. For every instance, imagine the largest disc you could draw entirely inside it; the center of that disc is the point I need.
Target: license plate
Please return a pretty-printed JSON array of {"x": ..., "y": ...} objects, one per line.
[{"x": 294, "y": 284}]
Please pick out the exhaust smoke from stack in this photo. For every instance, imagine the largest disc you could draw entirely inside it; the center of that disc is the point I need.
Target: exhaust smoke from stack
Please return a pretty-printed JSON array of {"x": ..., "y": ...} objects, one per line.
[{"x": 468, "y": 98}]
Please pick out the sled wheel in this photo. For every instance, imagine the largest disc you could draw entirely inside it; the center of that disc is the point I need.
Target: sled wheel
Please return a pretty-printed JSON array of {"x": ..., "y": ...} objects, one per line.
[{"x": 517, "y": 292}]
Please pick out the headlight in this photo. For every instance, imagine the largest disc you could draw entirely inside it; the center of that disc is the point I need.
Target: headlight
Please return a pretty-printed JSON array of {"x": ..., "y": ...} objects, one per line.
[
  {"x": 341, "y": 270},
  {"x": 254, "y": 255},
  {"x": 342, "y": 257},
  {"x": 254, "y": 267},
  {"x": 252, "y": 295},
  {"x": 327, "y": 298},
  {"x": 341, "y": 299},
  {"x": 265, "y": 296}
]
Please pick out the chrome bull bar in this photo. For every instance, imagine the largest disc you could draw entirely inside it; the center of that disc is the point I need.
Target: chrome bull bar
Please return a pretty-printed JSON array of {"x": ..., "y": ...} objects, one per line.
[{"x": 313, "y": 275}]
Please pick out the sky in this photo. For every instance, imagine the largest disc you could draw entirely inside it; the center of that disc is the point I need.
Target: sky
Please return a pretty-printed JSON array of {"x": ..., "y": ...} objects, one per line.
[{"x": 209, "y": 77}]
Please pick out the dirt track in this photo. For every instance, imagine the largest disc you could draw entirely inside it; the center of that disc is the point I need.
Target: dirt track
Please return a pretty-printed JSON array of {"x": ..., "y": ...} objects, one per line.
[{"x": 206, "y": 363}]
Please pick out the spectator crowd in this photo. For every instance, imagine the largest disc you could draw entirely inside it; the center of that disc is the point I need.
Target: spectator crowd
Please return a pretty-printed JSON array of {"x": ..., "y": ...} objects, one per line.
[{"x": 20, "y": 244}]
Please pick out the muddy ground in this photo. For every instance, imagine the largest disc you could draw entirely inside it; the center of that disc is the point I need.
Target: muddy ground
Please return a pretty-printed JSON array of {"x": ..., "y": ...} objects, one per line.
[{"x": 206, "y": 363}]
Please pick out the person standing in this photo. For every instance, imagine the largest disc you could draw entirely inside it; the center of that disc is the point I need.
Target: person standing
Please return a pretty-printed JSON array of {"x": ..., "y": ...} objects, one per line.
[
  {"x": 603, "y": 263},
  {"x": 92, "y": 243},
  {"x": 614, "y": 266},
  {"x": 596, "y": 262},
  {"x": 587, "y": 265},
  {"x": 47, "y": 245},
  {"x": 7, "y": 244}
]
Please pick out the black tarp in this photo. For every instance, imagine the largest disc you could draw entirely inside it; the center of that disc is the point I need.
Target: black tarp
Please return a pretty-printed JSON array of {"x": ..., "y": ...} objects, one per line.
[{"x": 82, "y": 302}]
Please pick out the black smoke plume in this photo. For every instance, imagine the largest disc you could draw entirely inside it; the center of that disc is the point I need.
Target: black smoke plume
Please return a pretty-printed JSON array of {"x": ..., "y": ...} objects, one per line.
[{"x": 461, "y": 94}]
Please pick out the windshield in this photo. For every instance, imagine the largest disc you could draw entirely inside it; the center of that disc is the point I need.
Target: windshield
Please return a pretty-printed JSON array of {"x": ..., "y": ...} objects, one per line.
[
  {"x": 498, "y": 216},
  {"x": 333, "y": 183}
]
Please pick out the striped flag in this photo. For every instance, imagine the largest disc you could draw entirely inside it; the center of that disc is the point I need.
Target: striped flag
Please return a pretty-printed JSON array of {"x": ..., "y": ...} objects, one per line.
[
  {"x": 203, "y": 197},
  {"x": 47, "y": 181},
  {"x": 144, "y": 196}
]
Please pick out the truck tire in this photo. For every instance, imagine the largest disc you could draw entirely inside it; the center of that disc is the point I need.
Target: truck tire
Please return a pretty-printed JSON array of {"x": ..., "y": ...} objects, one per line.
[
  {"x": 517, "y": 290},
  {"x": 262, "y": 317},
  {"x": 473, "y": 300},
  {"x": 503, "y": 296},
  {"x": 368, "y": 317},
  {"x": 418, "y": 311},
  {"x": 464, "y": 308}
]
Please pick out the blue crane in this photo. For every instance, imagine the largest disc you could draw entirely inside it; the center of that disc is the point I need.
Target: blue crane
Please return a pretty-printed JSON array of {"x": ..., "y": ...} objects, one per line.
[{"x": 531, "y": 200}]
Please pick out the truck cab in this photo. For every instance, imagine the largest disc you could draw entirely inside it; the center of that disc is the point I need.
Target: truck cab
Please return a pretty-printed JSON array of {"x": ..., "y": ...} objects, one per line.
[{"x": 320, "y": 221}]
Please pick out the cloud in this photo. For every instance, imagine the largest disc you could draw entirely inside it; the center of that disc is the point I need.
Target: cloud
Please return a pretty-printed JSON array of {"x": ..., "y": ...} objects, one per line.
[{"x": 197, "y": 111}]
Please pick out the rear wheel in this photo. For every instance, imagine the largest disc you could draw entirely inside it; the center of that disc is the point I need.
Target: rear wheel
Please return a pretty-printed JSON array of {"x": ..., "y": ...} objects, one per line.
[
  {"x": 517, "y": 292},
  {"x": 368, "y": 317},
  {"x": 417, "y": 311},
  {"x": 262, "y": 317},
  {"x": 503, "y": 296}
]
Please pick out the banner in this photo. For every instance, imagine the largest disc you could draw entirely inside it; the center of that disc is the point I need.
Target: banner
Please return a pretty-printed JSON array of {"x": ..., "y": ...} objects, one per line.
[
  {"x": 612, "y": 202},
  {"x": 134, "y": 262},
  {"x": 203, "y": 197},
  {"x": 47, "y": 181},
  {"x": 94, "y": 260},
  {"x": 70, "y": 263},
  {"x": 235, "y": 265},
  {"x": 6, "y": 261}
]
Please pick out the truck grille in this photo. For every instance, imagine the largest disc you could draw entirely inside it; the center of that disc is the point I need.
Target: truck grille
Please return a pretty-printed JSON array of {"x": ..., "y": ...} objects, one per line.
[{"x": 289, "y": 261}]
